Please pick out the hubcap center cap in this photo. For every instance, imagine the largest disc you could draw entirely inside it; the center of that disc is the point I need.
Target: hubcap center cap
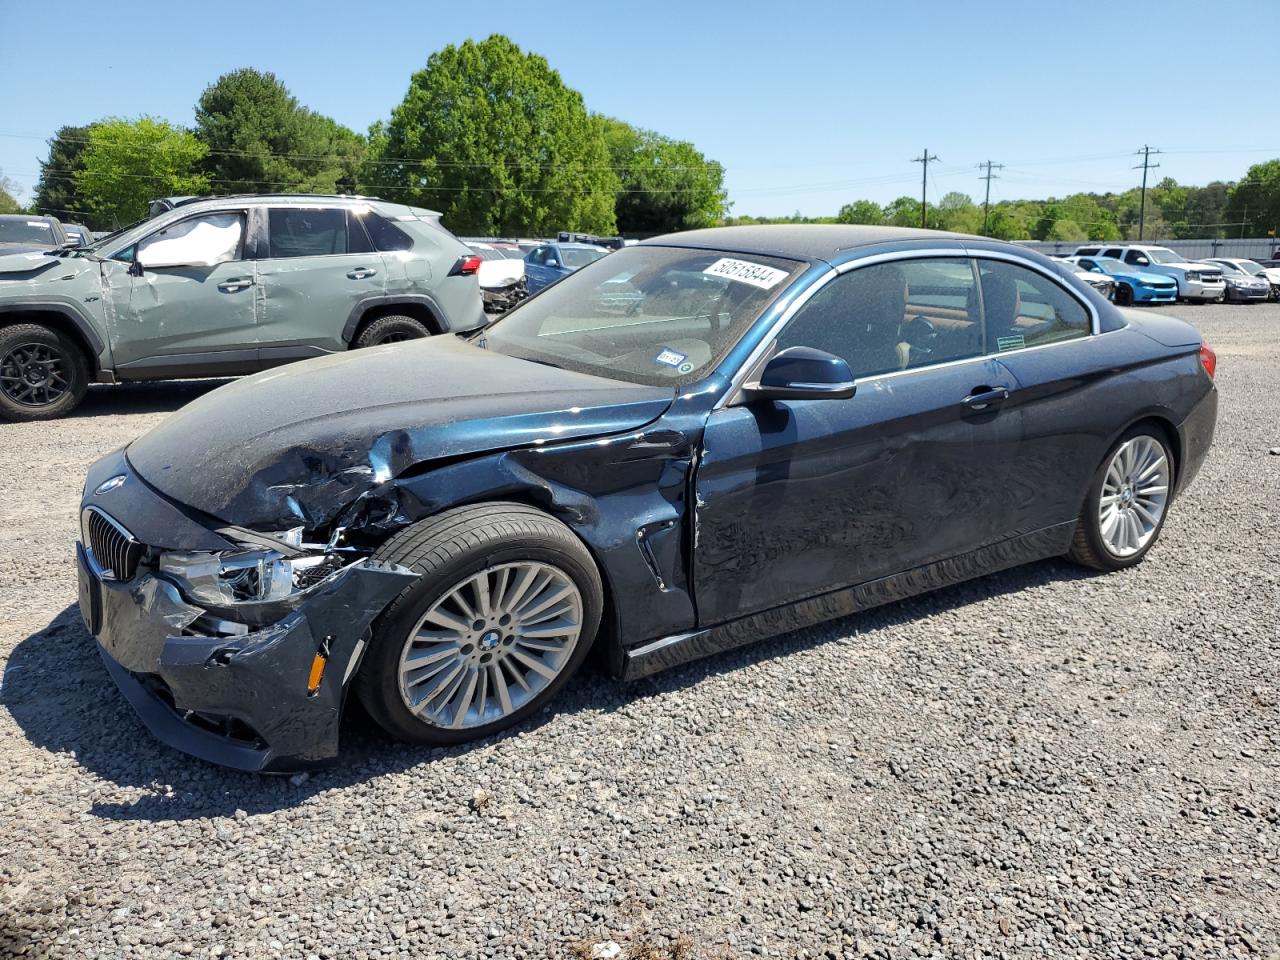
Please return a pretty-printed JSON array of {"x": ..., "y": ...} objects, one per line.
[
  {"x": 1126, "y": 495},
  {"x": 35, "y": 374},
  {"x": 490, "y": 640}
]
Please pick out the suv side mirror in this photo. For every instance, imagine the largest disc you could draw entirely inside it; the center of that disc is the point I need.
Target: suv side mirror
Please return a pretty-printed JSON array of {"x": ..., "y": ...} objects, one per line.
[
  {"x": 802, "y": 373},
  {"x": 1142, "y": 261}
]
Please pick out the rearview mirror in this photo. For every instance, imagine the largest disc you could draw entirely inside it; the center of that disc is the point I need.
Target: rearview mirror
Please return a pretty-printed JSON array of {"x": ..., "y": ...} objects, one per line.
[{"x": 802, "y": 373}]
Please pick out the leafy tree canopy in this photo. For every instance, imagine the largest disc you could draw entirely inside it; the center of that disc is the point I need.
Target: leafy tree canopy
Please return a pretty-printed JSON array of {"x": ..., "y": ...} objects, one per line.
[
  {"x": 664, "y": 184},
  {"x": 861, "y": 211},
  {"x": 8, "y": 202},
  {"x": 56, "y": 193},
  {"x": 1254, "y": 202},
  {"x": 260, "y": 139},
  {"x": 493, "y": 138},
  {"x": 129, "y": 162}
]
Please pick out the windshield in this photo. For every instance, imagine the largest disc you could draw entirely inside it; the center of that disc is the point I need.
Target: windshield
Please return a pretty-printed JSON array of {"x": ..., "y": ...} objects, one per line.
[
  {"x": 581, "y": 256},
  {"x": 1163, "y": 255},
  {"x": 653, "y": 315},
  {"x": 22, "y": 230},
  {"x": 1249, "y": 267},
  {"x": 1109, "y": 265},
  {"x": 1225, "y": 267}
]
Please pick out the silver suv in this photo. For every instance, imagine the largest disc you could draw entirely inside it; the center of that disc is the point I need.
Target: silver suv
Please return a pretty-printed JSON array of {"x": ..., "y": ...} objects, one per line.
[{"x": 225, "y": 286}]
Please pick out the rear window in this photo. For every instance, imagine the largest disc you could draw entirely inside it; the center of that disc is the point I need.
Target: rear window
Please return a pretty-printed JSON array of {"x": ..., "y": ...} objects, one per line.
[
  {"x": 386, "y": 236},
  {"x": 26, "y": 231}
]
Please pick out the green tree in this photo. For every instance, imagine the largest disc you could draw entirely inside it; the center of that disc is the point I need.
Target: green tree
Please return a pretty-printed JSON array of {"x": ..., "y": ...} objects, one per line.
[
  {"x": 664, "y": 184},
  {"x": 1205, "y": 212},
  {"x": 494, "y": 139},
  {"x": 861, "y": 211},
  {"x": 129, "y": 162},
  {"x": 957, "y": 212},
  {"x": 903, "y": 212},
  {"x": 56, "y": 193},
  {"x": 1012, "y": 221},
  {"x": 8, "y": 202},
  {"x": 260, "y": 139},
  {"x": 1254, "y": 202}
]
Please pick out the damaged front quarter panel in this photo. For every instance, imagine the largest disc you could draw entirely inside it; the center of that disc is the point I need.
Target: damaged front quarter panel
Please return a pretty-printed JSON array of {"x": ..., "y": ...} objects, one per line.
[{"x": 267, "y": 699}]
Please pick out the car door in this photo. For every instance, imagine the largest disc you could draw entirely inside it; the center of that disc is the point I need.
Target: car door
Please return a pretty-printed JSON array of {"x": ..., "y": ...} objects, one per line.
[
  {"x": 1065, "y": 396},
  {"x": 186, "y": 300},
  {"x": 799, "y": 497},
  {"x": 537, "y": 273},
  {"x": 318, "y": 265}
]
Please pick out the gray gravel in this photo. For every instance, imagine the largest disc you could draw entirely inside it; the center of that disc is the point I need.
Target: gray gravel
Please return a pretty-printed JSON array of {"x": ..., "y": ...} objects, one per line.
[{"x": 1043, "y": 762}]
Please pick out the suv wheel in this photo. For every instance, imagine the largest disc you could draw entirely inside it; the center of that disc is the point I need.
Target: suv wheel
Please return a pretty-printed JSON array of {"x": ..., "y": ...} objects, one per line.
[
  {"x": 42, "y": 374},
  {"x": 391, "y": 329}
]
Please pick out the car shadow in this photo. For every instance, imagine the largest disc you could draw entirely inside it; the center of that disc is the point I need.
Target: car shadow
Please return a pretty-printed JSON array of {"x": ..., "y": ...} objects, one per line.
[
  {"x": 121, "y": 399},
  {"x": 58, "y": 692}
]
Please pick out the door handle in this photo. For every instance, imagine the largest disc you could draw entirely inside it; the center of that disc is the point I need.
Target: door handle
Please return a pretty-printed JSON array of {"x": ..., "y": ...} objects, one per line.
[
  {"x": 361, "y": 273},
  {"x": 236, "y": 283},
  {"x": 980, "y": 398}
]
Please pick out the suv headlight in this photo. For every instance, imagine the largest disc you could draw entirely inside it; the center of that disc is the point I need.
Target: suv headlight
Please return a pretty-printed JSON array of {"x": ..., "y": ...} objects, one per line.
[
  {"x": 1193, "y": 275},
  {"x": 239, "y": 576}
]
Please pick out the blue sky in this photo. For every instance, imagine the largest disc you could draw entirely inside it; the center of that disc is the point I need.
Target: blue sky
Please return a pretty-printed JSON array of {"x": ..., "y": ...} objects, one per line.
[{"x": 808, "y": 106}]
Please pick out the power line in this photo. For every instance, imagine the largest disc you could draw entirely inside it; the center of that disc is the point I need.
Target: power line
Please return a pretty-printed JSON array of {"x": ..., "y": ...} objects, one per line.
[{"x": 923, "y": 160}]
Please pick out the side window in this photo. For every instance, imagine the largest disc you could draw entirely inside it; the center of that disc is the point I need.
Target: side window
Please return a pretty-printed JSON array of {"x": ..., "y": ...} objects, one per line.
[
  {"x": 1113, "y": 253},
  {"x": 1088, "y": 264},
  {"x": 203, "y": 241},
  {"x": 1134, "y": 256},
  {"x": 357, "y": 237},
  {"x": 893, "y": 316},
  {"x": 386, "y": 236},
  {"x": 1025, "y": 308},
  {"x": 303, "y": 232}
]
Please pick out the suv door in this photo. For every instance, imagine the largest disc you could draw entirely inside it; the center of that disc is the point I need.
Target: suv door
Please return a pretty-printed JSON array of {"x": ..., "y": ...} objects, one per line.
[
  {"x": 186, "y": 303},
  {"x": 318, "y": 263},
  {"x": 909, "y": 470}
]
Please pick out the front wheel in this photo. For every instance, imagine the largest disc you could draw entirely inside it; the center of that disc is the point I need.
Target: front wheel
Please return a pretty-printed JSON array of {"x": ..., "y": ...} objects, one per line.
[
  {"x": 1124, "y": 295},
  {"x": 1127, "y": 502},
  {"x": 503, "y": 612},
  {"x": 42, "y": 374}
]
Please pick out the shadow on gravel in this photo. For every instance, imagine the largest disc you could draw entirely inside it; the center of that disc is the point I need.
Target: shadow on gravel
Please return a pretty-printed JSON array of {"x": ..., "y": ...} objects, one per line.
[
  {"x": 58, "y": 692},
  {"x": 113, "y": 400}
]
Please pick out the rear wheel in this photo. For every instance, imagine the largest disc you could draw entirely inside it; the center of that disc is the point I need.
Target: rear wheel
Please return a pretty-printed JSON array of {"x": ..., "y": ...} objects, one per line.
[
  {"x": 391, "y": 329},
  {"x": 1127, "y": 502},
  {"x": 43, "y": 375},
  {"x": 504, "y": 610}
]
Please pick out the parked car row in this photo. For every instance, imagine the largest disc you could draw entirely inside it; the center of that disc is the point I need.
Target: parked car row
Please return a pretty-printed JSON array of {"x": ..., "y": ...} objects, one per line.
[
  {"x": 1153, "y": 274},
  {"x": 514, "y": 269}
]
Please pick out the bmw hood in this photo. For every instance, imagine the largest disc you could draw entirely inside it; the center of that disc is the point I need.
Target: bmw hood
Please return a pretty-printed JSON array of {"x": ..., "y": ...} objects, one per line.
[{"x": 296, "y": 445}]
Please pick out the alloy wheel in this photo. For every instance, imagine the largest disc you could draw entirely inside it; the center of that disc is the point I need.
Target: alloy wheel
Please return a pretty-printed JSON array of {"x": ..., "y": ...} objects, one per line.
[
  {"x": 490, "y": 644},
  {"x": 34, "y": 374},
  {"x": 1135, "y": 492}
]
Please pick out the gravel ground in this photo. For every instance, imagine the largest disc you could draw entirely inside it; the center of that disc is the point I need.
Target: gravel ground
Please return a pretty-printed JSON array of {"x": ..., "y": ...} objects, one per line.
[{"x": 1043, "y": 762}]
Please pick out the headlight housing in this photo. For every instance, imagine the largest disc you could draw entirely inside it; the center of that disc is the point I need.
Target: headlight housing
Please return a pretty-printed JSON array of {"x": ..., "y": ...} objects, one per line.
[
  {"x": 1193, "y": 275},
  {"x": 241, "y": 576}
]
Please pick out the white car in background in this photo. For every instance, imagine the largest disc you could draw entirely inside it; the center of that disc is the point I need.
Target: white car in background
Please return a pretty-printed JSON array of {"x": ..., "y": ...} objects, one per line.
[
  {"x": 1196, "y": 281},
  {"x": 1099, "y": 281},
  {"x": 497, "y": 268}
]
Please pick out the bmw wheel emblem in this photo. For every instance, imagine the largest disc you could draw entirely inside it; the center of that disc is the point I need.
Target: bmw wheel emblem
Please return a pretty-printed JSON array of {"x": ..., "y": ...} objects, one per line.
[{"x": 106, "y": 486}]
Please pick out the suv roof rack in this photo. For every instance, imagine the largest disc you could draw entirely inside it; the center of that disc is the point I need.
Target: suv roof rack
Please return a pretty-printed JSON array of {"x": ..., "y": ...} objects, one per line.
[{"x": 164, "y": 204}]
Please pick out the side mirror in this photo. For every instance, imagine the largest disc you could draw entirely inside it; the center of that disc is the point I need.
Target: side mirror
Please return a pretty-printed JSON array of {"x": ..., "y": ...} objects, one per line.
[
  {"x": 802, "y": 373},
  {"x": 1142, "y": 261},
  {"x": 552, "y": 263},
  {"x": 1096, "y": 270}
]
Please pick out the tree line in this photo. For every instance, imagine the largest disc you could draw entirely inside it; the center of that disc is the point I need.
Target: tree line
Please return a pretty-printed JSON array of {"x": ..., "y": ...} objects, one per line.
[
  {"x": 487, "y": 134},
  {"x": 1249, "y": 207}
]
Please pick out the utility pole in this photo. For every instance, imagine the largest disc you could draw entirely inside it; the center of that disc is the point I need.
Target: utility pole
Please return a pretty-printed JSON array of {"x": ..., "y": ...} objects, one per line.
[
  {"x": 1146, "y": 165},
  {"x": 986, "y": 202},
  {"x": 924, "y": 159}
]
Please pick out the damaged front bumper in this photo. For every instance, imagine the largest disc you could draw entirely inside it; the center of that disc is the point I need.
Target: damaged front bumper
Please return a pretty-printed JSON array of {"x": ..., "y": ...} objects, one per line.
[{"x": 256, "y": 685}]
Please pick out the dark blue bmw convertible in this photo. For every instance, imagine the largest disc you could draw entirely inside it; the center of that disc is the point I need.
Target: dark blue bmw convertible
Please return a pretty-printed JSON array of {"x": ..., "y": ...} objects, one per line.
[{"x": 687, "y": 445}]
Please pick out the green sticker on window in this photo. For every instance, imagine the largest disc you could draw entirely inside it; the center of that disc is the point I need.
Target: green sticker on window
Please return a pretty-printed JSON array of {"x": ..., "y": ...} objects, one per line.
[{"x": 1012, "y": 342}]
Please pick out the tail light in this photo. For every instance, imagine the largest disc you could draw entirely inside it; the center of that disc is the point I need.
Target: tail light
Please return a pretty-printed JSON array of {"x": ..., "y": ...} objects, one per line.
[
  {"x": 466, "y": 266},
  {"x": 1208, "y": 359}
]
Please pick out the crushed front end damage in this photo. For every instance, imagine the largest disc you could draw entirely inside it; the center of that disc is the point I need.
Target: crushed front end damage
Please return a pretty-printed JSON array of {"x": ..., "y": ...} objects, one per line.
[{"x": 269, "y": 698}]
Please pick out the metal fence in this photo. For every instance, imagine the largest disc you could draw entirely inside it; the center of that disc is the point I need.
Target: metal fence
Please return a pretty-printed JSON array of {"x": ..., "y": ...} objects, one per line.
[{"x": 1250, "y": 249}]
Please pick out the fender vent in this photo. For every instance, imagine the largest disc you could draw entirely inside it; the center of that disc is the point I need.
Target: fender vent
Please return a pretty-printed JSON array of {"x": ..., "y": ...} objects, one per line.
[{"x": 112, "y": 546}]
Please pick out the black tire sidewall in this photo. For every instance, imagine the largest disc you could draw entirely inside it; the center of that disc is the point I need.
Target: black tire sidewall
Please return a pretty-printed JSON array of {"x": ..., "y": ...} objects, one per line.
[
  {"x": 375, "y": 333},
  {"x": 77, "y": 367},
  {"x": 1089, "y": 517},
  {"x": 1124, "y": 295},
  {"x": 390, "y": 633}
]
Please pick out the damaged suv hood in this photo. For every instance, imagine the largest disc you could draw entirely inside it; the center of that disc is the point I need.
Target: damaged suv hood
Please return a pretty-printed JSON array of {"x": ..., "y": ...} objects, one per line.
[{"x": 295, "y": 445}]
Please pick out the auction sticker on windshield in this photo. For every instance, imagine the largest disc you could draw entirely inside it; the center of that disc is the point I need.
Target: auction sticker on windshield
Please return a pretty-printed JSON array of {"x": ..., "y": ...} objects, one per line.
[{"x": 744, "y": 271}]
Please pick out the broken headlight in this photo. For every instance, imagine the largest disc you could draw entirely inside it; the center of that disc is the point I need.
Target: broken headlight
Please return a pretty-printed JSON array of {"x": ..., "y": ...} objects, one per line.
[{"x": 219, "y": 579}]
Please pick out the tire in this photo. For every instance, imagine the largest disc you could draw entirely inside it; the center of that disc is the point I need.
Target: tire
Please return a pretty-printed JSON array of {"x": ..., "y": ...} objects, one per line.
[
  {"x": 1124, "y": 295},
  {"x": 43, "y": 375},
  {"x": 1094, "y": 544},
  {"x": 391, "y": 329},
  {"x": 451, "y": 552}
]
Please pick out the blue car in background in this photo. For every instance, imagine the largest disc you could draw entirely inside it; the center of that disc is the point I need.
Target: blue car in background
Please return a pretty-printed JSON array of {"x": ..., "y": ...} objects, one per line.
[
  {"x": 1131, "y": 285},
  {"x": 548, "y": 262}
]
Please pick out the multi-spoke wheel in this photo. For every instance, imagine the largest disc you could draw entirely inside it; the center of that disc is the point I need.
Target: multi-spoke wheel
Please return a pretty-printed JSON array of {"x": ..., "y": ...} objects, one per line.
[
  {"x": 1127, "y": 502},
  {"x": 506, "y": 605},
  {"x": 42, "y": 375}
]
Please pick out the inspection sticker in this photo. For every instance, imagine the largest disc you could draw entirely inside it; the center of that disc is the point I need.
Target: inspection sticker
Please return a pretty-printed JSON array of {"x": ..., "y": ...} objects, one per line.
[
  {"x": 1014, "y": 342},
  {"x": 670, "y": 358},
  {"x": 744, "y": 271}
]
